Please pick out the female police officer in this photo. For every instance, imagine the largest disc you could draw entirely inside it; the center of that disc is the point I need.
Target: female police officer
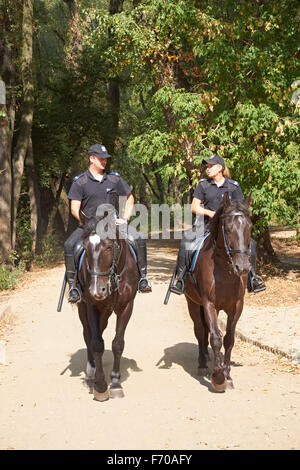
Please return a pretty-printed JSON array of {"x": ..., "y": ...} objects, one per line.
[
  {"x": 88, "y": 191},
  {"x": 207, "y": 198}
]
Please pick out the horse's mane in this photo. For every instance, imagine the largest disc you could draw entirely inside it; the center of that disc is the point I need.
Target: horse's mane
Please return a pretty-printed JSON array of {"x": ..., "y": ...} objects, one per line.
[
  {"x": 90, "y": 226},
  {"x": 235, "y": 205}
]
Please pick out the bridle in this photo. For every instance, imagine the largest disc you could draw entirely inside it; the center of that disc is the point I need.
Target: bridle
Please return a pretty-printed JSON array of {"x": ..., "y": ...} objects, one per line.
[
  {"x": 113, "y": 277},
  {"x": 229, "y": 250}
]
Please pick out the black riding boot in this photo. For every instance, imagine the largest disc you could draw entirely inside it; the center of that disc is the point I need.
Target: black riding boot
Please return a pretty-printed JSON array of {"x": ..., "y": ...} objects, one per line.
[
  {"x": 144, "y": 286},
  {"x": 74, "y": 289},
  {"x": 178, "y": 286},
  {"x": 255, "y": 283}
]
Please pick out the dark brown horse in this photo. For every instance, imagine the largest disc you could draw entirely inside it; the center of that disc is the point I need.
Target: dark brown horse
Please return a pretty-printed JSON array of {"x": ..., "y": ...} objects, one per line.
[
  {"x": 109, "y": 278},
  {"x": 218, "y": 283}
]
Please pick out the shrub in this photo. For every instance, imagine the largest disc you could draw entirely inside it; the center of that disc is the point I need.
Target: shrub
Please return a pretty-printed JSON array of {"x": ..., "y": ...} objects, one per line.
[
  {"x": 9, "y": 276},
  {"x": 51, "y": 250}
]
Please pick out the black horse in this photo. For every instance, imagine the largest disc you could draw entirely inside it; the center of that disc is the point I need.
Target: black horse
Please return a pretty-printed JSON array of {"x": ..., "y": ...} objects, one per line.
[
  {"x": 109, "y": 278},
  {"x": 218, "y": 283}
]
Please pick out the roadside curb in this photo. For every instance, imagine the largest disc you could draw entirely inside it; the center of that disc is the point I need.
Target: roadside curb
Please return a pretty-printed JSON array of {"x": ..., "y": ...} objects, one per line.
[
  {"x": 246, "y": 339},
  {"x": 5, "y": 310}
]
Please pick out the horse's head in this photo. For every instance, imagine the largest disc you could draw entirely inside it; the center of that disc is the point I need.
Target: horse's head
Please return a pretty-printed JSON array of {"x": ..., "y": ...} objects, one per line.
[
  {"x": 235, "y": 230},
  {"x": 102, "y": 252}
]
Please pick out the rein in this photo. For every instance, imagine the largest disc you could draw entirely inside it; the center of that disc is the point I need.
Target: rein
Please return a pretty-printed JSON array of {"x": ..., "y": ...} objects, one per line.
[{"x": 229, "y": 250}]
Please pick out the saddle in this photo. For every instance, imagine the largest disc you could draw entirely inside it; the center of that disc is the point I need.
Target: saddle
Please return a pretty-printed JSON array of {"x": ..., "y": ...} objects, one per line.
[{"x": 193, "y": 252}]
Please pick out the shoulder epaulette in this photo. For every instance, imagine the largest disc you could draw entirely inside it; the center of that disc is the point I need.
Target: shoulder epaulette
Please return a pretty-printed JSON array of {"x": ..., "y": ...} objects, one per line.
[
  {"x": 113, "y": 173},
  {"x": 77, "y": 177},
  {"x": 234, "y": 182},
  {"x": 204, "y": 182}
]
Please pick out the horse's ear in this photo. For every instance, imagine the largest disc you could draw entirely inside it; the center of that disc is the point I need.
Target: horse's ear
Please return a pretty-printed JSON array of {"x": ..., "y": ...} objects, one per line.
[
  {"x": 248, "y": 200},
  {"x": 83, "y": 218},
  {"x": 226, "y": 199}
]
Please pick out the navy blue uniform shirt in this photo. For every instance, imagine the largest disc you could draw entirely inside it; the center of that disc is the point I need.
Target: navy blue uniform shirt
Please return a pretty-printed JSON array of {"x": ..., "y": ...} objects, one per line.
[
  {"x": 92, "y": 193},
  {"x": 211, "y": 195}
]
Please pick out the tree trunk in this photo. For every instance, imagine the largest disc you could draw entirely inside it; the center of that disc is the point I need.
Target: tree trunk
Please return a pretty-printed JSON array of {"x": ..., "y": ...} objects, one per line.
[
  {"x": 34, "y": 197},
  {"x": 159, "y": 183},
  {"x": 265, "y": 251},
  {"x": 150, "y": 185},
  {"x": 76, "y": 42},
  {"x": 56, "y": 203},
  {"x": 113, "y": 90},
  {"x": 177, "y": 190},
  {"x": 27, "y": 109},
  {"x": 115, "y": 6},
  {"x": 114, "y": 105},
  {"x": 5, "y": 190},
  {"x": 7, "y": 109},
  {"x": 8, "y": 72}
]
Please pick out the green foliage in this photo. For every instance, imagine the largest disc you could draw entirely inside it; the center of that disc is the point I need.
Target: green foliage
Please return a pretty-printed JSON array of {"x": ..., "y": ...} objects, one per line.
[
  {"x": 10, "y": 276},
  {"x": 268, "y": 162},
  {"x": 51, "y": 250},
  {"x": 24, "y": 239},
  {"x": 194, "y": 78},
  {"x": 214, "y": 76}
]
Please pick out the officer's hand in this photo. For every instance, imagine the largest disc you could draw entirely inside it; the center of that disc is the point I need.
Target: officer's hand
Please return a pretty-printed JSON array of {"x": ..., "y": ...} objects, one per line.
[
  {"x": 211, "y": 214},
  {"x": 121, "y": 221}
]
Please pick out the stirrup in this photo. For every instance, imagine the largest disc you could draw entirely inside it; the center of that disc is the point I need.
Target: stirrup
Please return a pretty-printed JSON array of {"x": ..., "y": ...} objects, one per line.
[
  {"x": 78, "y": 295},
  {"x": 147, "y": 288},
  {"x": 175, "y": 289},
  {"x": 260, "y": 285}
]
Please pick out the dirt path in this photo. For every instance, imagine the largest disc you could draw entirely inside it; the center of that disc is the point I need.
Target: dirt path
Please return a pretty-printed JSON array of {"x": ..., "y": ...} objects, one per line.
[{"x": 45, "y": 404}]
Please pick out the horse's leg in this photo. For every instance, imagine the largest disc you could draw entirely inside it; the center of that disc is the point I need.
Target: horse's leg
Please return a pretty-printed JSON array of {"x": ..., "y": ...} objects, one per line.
[
  {"x": 118, "y": 344},
  {"x": 201, "y": 333},
  {"x": 232, "y": 319},
  {"x": 83, "y": 315},
  {"x": 205, "y": 336},
  {"x": 218, "y": 379},
  {"x": 97, "y": 347}
]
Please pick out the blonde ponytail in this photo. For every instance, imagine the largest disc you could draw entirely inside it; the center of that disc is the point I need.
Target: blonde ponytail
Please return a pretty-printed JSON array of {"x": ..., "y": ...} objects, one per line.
[{"x": 226, "y": 172}]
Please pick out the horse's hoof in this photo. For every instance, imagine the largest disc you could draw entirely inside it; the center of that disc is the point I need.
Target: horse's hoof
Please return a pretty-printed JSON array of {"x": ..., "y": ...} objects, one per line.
[
  {"x": 101, "y": 396},
  {"x": 230, "y": 385},
  {"x": 219, "y": 387},
  {"x": 116, "y": 392}
]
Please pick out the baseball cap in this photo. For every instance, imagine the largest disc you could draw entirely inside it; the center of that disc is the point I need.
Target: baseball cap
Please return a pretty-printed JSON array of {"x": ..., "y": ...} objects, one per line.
[
  {"x": 215, "y": 159},
  {"x": 99, "y": 151}
]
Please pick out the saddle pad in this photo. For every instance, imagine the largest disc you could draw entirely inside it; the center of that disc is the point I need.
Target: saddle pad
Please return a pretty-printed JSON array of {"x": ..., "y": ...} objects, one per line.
[
  {"x": 196, "y": 252},
  {"x": 133, "y": 251},
  {"x": 81, "y": 260}
]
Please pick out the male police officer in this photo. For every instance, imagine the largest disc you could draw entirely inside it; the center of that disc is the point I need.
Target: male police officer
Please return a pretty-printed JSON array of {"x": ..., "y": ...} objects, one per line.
[
  {"x": 207, "y": 198},
  {"x": 88, "y": 191}
]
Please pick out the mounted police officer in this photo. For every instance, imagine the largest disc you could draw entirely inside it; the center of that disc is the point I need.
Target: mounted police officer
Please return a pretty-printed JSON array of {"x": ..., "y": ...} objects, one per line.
[
  {"x": 89, "y": 190},
  {"x": 207, "y": 198}
]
